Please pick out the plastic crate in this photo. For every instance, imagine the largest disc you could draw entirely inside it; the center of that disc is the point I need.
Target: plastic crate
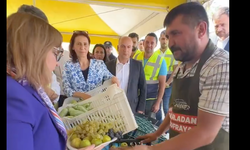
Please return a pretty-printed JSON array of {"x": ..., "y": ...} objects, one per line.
[
  {"x": 109, "y": 106},
  {"x": 146, "y": 125},
  {"x": 93, "y": 92}
]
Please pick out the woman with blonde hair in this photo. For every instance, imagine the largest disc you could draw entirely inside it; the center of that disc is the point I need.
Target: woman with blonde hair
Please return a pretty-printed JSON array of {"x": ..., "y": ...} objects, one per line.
[{"x": 33, "y": 49}]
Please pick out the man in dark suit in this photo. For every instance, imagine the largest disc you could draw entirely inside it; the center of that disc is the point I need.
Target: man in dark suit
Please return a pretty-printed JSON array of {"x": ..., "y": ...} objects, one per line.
[
  {"x": 130, "y": 74},
  {"x": 221, "y": 23}
]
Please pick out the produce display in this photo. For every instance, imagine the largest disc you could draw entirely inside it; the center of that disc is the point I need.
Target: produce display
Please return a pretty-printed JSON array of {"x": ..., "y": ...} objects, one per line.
[
  {"x": 92, "y": 132},
  {"x": 77, "y": 109}
]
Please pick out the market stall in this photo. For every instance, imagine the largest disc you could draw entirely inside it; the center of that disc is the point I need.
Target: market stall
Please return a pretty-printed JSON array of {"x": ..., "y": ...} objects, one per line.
[{"x": 103, "y": 19}]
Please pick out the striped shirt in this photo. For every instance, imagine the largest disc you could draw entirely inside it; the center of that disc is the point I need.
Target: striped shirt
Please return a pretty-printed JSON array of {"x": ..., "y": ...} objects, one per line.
[{"x": 214, "y": 84}]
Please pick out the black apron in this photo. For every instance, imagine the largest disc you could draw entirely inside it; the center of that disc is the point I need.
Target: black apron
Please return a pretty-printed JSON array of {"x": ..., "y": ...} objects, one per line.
[{"x": 184, "y": 105}]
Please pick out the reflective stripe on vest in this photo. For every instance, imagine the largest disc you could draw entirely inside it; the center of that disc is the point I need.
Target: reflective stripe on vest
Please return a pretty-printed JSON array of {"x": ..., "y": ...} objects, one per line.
[
  {"x": 156, "y": 65},
  {"x": 169, "y": 58},
  {"x": 151, "y": 69},
  {"x": 137, "y": 52},
  {"x": 135, "y": 57},
  {"x": 170, "y": 68}
]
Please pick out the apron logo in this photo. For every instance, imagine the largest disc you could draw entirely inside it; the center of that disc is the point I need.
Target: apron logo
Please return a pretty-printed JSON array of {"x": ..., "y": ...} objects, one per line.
[{"x": 181, "y": 104}]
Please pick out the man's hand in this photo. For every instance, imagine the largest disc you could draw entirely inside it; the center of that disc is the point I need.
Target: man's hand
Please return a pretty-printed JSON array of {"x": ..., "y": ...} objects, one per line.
[
  {"x": 148, "y": 138},
  {"x": 166, "y": 85},
  {"x": 140, "y": 112},
  {"x": 156, "y": 107}
]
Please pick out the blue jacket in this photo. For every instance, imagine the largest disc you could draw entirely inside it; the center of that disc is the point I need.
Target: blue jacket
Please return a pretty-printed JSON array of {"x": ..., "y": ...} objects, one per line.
[{"x": 30, "y": 125}]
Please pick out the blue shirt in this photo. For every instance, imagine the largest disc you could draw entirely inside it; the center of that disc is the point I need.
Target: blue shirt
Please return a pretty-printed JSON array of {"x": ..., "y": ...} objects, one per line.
[{"x": 163, "y": 69}]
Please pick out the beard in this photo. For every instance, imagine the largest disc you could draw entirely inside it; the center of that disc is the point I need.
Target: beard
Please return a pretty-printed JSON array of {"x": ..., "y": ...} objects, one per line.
[
  {"x": 164, "y": 46},
  {"x": 134, "y": 48},
  {"x": 184, "y": 55}
]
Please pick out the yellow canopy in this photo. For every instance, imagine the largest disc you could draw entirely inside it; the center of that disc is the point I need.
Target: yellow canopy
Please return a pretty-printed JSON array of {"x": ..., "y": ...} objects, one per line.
[{"x": 103, "y": 19}]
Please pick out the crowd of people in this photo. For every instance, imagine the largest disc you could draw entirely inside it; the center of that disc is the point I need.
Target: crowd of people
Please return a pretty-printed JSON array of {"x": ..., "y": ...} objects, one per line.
[{"x": 187, "y": 79}]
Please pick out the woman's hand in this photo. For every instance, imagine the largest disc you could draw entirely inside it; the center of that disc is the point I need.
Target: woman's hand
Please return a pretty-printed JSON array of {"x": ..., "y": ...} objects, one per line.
[
  {"x": 81, "y": 95},
  {"x": 92, "y": 147},
  {"x": 115, "y": 80},
  {"x": 84, "y": 96}
]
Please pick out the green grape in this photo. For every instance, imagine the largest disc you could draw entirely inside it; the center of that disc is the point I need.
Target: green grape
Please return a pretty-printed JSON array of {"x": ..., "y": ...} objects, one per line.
[
  {"x": 84, "y": 132},
  {"x": 88, "y": 134},
  {"x": 98, "y": 136},
  {"x": 82, "y": 136},
  {"x": 77, "y": 132},
  {"x": 100, "y": 131},
  {"x": 91, "y": 130},
  {"x": 91, "y": 127},
  {"x": 87, "y": 129},
  {"x": 106, "y": 130}
]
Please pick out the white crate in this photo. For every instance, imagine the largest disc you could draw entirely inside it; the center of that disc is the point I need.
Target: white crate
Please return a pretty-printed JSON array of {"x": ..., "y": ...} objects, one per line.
[
  {"x": 109, "y": 106},
  {"x": 93, "y": 92}
]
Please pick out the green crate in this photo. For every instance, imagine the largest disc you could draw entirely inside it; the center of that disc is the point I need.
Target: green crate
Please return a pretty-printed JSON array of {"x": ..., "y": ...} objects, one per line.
[{"x": 145, "y": 126}]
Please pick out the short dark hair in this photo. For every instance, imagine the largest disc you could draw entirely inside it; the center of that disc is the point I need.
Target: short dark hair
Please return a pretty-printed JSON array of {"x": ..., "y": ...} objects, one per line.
[
  {"x": 153, "y": 35},
  {"x": 105, "y": 59},
  {"x": 133, "y": 35},
  {"x": 192, "y": 12},
  {"x": 33, "y": 11},
  {"x": 72, "y": 42},
  {"x": 142, "y": 40}
]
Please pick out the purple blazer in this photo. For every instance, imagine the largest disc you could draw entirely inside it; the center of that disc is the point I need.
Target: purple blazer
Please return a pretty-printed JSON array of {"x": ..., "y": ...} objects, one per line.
[{"x": 30, "y": 125}]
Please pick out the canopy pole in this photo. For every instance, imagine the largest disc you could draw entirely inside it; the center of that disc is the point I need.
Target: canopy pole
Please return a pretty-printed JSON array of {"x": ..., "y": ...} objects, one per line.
[{"x": 34, "y": 2}]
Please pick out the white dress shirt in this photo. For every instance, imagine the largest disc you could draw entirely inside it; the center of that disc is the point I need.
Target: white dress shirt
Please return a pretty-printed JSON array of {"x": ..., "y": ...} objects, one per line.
[
  {"x": 222, "y": 43},
  {"x": 55, "y": 86},
  {"x": 60, "y": 68},
  {"x": 122, "y": 73}
]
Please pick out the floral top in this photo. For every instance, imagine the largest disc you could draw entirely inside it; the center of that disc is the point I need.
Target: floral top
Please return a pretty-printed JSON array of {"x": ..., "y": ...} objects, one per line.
[{"x": 74, "y": 81}]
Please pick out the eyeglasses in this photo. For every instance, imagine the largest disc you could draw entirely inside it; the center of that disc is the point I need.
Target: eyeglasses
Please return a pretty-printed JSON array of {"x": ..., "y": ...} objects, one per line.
[
  {"x": 58, "y": 51},
  {"x": 81, "y": 31}
]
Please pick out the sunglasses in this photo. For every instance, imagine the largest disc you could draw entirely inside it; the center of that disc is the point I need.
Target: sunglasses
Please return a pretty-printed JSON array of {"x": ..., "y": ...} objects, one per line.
[
  {"x": 80, "y": 31},
  {"x": 58, "y": 51}
]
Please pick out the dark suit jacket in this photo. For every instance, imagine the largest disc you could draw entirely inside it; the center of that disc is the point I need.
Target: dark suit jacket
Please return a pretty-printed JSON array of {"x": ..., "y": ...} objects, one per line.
[
  {"x": 227, "y": 46},
  {"x": 136, "y": 92}
]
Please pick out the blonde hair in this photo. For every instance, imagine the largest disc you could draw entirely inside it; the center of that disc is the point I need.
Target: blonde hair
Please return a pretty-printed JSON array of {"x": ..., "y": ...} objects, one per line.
[{"x": 29, "y": 39}]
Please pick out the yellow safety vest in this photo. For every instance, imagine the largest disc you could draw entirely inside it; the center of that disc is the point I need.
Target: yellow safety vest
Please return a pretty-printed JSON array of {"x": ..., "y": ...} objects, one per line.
[
  {"x": 151, "y": 71},
  {"x": 169, "y": 58},
  {"x": 136, "y": 53}
]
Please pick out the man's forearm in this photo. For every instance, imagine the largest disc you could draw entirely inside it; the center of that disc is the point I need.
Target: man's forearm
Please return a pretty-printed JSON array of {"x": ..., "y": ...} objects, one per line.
[
  {"x": 161, "y": 92},
  {"x": 190, "y": 140},
  {"x": 164, "y": 125}
]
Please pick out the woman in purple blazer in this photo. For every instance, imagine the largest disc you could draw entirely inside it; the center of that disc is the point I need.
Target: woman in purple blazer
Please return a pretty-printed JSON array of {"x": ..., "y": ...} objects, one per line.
[{"x": 33, "y": 51}]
